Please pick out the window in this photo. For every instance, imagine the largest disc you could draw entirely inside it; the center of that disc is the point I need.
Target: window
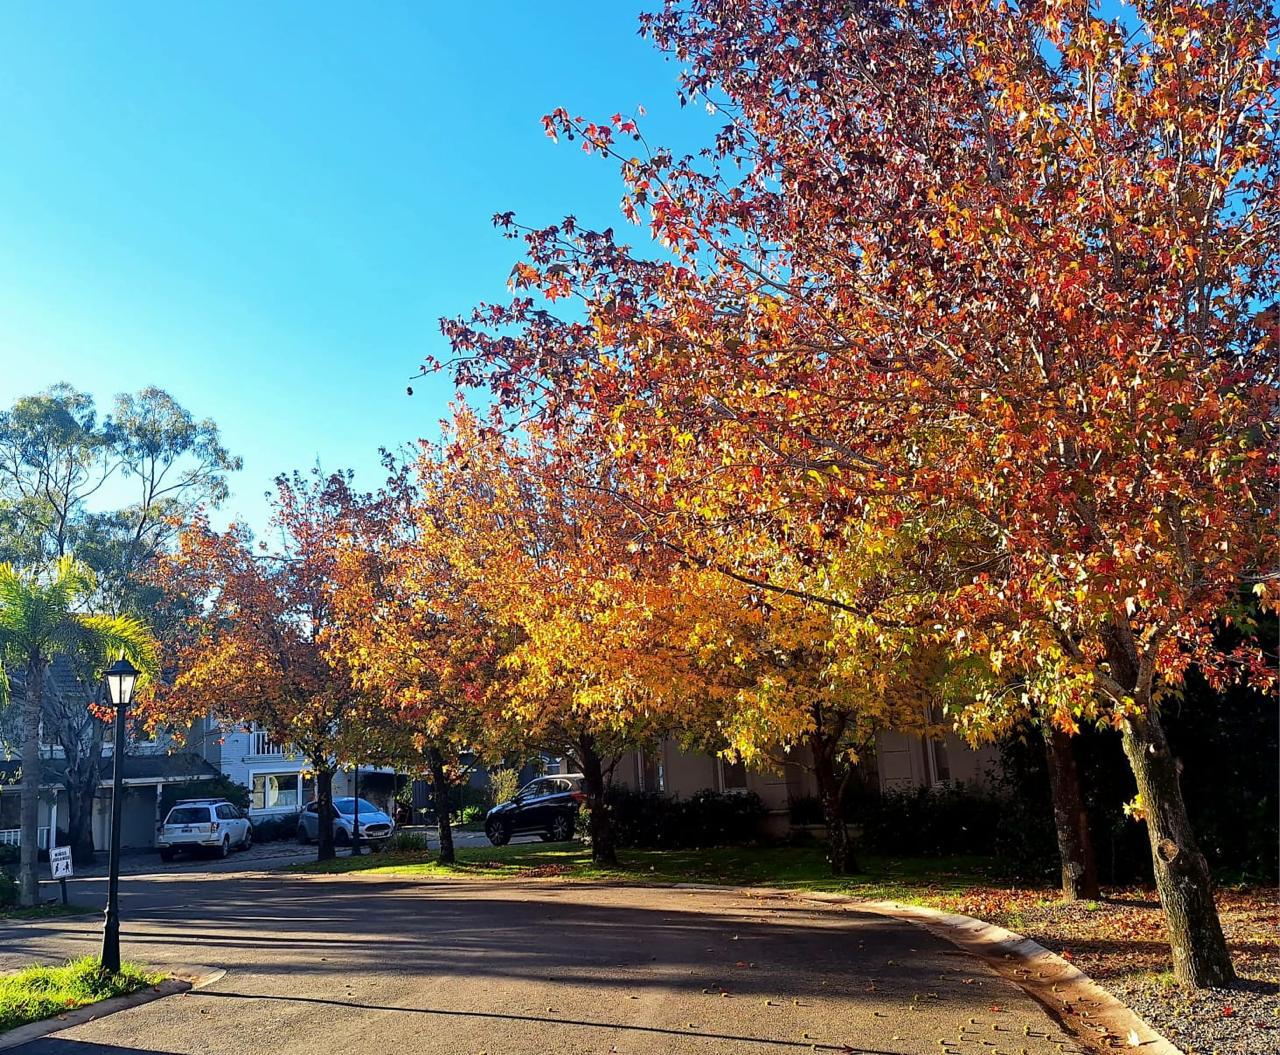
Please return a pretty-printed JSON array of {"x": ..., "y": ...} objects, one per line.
[
  {"x": 733, "y": 776},
  {"x": 226, "y": 813},
  {"x": 936, "y": 762},
  {"x": 188, "y": 815},
  {"x": 277, "y": 791},
  {"x": 650, "y": 771},
  {"x": 941, "y": 762}
]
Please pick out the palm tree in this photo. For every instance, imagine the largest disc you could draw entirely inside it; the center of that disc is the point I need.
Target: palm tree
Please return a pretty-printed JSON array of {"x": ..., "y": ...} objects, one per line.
[{"x": 42, "y": 615}]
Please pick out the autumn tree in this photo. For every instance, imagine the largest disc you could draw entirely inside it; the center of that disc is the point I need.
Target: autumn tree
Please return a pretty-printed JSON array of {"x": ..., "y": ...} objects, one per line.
[
  {"x": 1005, "y": 261},
  {"x": 806, "y": 685},
  {"x": 256, "y": 652},
  {"x": 422, "y": 651},
  {"x": 553, "y": 558}
]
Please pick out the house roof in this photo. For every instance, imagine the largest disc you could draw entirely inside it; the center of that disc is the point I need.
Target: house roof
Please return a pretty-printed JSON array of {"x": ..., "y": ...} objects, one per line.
[
  {"x": 60, "y": 676},
  {"x": 138, "y": 769}
]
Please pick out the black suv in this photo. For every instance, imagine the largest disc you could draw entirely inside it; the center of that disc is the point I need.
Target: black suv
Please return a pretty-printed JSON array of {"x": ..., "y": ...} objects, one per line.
[{"x": 547, "y": 806}]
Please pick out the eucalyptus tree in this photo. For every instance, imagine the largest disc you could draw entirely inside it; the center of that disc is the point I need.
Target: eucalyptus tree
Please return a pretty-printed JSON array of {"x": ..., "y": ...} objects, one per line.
[{"x": 112, "y": 491}]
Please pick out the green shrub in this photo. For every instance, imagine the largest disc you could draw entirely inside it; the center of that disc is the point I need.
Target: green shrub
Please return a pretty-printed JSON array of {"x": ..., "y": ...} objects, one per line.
[
  {"x": 640, "y": 818},
  {"x": 805, "y": 809},
  {"x": 407, "y": 843},
  {"x": 503, "y": 785},
  {"x": 1026, "y": 842},
  {"x": 219, "y": 787},
  {"x": 9, "y": 854},
  {"x": 729, "y": 819},
  {"x": 469, "y": 815},
  {"x": 8, "y": 890},
  {"x": 707, "y": 818},
  {"x": 1002, "y": 820},
  {"x": 930, "y": 822},
  {"x": 274, "y": 829}
]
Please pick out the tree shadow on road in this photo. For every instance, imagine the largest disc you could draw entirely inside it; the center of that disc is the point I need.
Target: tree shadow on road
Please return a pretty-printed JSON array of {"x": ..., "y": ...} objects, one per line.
[{"x": 536, "y": 932}]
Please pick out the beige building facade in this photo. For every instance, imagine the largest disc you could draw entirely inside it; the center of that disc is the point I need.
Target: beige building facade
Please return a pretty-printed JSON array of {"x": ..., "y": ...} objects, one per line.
[{"x": 900, "y": 762}]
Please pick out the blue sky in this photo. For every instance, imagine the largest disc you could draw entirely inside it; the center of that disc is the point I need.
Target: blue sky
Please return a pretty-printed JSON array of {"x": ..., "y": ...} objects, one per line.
[{"x": 264, "y": 208}]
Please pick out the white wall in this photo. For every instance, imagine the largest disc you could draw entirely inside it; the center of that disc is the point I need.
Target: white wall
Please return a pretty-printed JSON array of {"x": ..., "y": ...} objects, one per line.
[{"x": 240, "y": 764}]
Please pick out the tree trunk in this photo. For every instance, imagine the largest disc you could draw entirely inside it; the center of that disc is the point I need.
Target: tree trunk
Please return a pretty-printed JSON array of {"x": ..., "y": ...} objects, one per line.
[
  {"x": 324, "y": 813},
  {"x": 83, "y": 777},
  {"x": 840, "y": 852},
  {"x": 603, "y": 851},
  {"x": 1200, "y": 956},
  {"x": 1075, "y": 845},
  {"x": 80, "y": 821},
  {"x": 28, "y": 854},
  {"x": 440, "y": 790}
]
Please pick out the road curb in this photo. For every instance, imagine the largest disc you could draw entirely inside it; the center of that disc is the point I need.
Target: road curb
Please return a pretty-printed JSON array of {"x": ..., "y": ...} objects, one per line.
[
  {"x": 180, "y": 979},
  {"x": 1095, "y": 1016}
]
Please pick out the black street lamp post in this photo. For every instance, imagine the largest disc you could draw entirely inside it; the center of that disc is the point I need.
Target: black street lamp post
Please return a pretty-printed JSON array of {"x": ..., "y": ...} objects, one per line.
[{"x": 121, "y": 678}]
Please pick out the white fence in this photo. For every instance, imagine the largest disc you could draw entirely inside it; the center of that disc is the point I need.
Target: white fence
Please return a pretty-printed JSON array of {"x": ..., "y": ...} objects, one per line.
[
  {"x": 262, "y": 744},
  {"x": 13, "y": 837}
]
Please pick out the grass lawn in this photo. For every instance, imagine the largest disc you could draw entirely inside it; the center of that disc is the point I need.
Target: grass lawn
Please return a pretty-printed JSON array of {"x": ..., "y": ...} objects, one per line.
[
  {"x": 788, "y": 867},
  {"x": 41, "y": 992}
]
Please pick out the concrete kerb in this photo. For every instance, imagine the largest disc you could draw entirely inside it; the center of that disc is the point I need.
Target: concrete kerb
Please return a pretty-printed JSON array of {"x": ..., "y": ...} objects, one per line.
[
  {"x": 1095, "y": 1016},
  {"x": 180, "y": 979}
]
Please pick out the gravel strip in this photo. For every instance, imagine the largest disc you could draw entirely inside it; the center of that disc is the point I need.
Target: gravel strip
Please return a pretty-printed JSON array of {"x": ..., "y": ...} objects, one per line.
[
  {"x": 1121, "y": 943},
  {"x": 1240, "y": 1021}
]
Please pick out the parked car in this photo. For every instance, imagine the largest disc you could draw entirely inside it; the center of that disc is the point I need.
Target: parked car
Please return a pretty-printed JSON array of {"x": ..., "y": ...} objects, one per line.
[
  {"x": 213, "y": 825},
  {"x": 375, "y": 826},
  {"x": 547, "y": 806}
]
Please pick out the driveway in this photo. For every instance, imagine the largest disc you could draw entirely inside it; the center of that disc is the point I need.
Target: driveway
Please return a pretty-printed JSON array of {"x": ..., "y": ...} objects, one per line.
[
  {"x": 365, "y": 965},
  {"x": 260, "y": 855}
]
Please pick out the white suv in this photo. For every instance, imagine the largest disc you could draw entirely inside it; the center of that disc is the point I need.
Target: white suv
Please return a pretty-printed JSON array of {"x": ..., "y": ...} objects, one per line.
[{"x": 203, "y": 824}]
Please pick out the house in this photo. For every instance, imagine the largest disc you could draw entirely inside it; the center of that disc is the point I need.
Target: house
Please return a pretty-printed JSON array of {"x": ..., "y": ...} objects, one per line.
[
  {"x": 145, "y": 778},
  {"x": 901, "y": 761},
  {"x": 149, "y": 766},
  {"x": 279, "y": 780}
]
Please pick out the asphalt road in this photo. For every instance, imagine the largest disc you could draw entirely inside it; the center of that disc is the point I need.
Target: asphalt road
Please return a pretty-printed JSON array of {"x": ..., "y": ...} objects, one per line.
[{"x": 399, "y": 966}]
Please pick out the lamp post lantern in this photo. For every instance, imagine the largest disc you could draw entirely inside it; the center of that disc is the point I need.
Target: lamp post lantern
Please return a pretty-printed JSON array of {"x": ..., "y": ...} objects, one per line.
[{"x": 120, "y": 677}]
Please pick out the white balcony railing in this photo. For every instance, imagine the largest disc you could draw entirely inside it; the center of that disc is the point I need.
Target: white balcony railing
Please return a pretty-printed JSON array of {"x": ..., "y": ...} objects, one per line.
[
  {"x": 262, "y": 744},
  {"x": 13, "y": 837}
]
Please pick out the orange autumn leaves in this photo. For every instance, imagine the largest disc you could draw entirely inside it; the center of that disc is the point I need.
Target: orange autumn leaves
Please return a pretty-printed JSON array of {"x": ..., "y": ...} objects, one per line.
[
  {"x": 253, "y": 648},
  {"x": 962, "y": 325},
  {"x": 932, "y": 269},
  {"x": 493, "y": 598}
]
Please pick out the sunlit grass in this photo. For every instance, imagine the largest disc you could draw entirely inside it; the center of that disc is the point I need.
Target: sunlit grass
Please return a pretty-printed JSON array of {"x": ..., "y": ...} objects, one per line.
[
  {"x": 35, "y": 993},
  {"x": 787, "y": 867}
]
